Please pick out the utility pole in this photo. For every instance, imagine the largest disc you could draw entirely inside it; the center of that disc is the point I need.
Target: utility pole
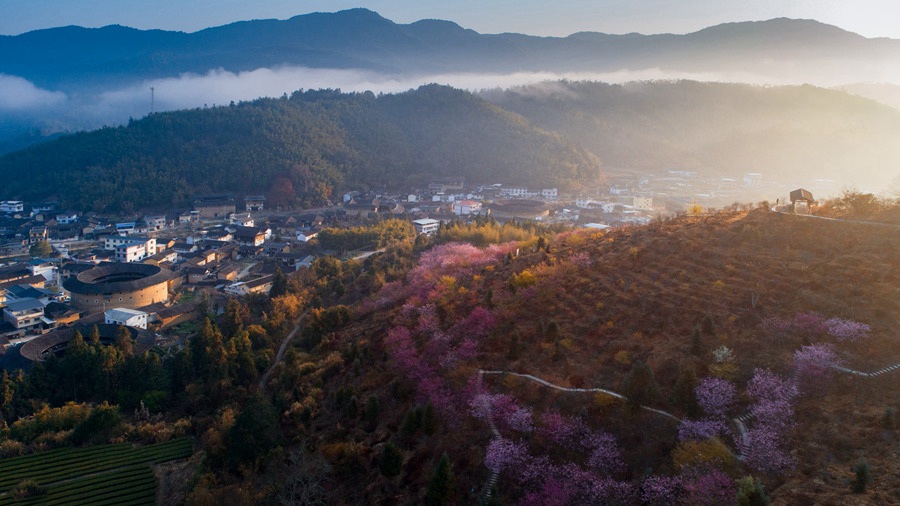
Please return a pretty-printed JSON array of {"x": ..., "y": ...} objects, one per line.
[{"x": 152, "y": 99}]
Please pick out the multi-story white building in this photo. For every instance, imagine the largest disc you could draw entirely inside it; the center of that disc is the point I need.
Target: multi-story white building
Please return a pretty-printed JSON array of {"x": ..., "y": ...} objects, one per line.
[
  {"x": 130, "y": 249},
  {"x": 12, "y": 206},
  {"x": 516, "y": 192},
  {"x": 67, "y": 217},
  {"x": 426, "y": 226},
  {"x": 155, "y": 222},
  {"x": 24, "y": 314}
]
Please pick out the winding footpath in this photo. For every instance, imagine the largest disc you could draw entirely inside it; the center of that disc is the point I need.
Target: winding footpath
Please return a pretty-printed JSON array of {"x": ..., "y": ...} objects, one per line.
[
  {"x": 281, "y": 350},
  {"x": 741, "y": 421},
  {"x": 565, "y": 389},
  {"x": 495, "y": 475}
]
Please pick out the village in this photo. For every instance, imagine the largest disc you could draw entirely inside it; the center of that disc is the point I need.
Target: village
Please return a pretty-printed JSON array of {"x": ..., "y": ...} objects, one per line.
[{"x": 63, "y": 268}]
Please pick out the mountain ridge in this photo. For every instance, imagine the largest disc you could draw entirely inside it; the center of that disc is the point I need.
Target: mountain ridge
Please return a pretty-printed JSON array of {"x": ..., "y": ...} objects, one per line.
[{"x": 361, "y": 38}]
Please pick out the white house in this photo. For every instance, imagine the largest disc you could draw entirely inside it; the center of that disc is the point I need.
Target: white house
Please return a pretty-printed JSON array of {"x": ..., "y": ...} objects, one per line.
[
  {"x": 426, "y": 226},
  {"x": 466, "y": 207},
  {"x": 24, "y": 314},
  {"x": 40, "y": 267},
  {"x": 155, "y": 222},
  {"x": 306, "y": 235},
  {"x": 515, "y": 192},
  {"x": 67, "y": 217},
  {"x": 12, "y": 206},
  {"x": 130, "y": 249},
  {"x": 259, "y": 285},
  {"x": 241, "y": 220},
  {"x": 126, "y": 317}
]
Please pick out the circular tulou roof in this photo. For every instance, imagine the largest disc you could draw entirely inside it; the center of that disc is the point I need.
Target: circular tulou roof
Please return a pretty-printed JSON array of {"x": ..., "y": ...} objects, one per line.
[{"x": 117, "y": 277}]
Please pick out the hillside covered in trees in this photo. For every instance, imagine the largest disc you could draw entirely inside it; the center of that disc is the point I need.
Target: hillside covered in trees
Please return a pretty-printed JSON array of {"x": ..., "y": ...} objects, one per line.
[
  {"x": 301, "y": 147},
  {"x": 692, "y": 361},
  {"x": 788, "y": 133}
]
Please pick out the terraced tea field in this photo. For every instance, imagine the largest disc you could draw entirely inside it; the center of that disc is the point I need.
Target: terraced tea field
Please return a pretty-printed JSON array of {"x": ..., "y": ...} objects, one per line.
[{"x": 117, "y": 474}]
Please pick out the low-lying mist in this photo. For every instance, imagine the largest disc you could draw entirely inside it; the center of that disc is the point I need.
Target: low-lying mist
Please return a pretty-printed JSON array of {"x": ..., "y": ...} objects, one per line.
[{"x": 51, "y": 111}]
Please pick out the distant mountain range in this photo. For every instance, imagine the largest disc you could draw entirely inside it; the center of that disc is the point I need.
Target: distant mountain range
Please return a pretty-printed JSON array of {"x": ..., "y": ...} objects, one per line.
[
  {"x": 71, "y": 79},
  {"x": 74, "y": 58}
]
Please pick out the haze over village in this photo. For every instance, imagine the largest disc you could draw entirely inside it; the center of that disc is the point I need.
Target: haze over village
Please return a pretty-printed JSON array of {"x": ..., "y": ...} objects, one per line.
[{"x": 628, "y": 253}]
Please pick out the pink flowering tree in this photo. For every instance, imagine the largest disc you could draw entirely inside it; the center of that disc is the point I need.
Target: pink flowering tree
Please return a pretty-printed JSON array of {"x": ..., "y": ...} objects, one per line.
[
  {"x": 846, "y": 330},
  {"x": 814, "y": 365},
  {"x": 701, "y": 430},
  {"x": 773, "y": 412},
  {"x": 707, "y": 487},
  {"x": 505, "y": 454},
  {"x": 660, "y": 490},
  {"x": 716, "y": 396},
  {"x": 810, "y": 325}
]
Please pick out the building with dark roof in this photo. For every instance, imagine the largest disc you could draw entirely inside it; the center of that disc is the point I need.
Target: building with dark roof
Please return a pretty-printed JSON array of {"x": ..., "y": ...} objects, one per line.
[{"x": 128, "y": 285}]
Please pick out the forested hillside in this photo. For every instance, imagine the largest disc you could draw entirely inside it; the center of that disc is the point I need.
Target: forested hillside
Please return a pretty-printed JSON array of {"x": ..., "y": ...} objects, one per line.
[
  {"x": 792, "y": 133},
  {"x": 297, "y": 149},
  {"x": 692, "y": 361}
]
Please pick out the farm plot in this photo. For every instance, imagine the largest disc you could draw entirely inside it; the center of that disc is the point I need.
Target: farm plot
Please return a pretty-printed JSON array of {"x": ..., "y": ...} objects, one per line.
[{"x": 98, "y": 475}]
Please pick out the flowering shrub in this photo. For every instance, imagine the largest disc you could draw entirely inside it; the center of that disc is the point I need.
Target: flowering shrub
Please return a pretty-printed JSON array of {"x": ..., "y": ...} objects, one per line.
[
  {"x": 708, "y": 487},
  {"x": 814, "y": 366},
  {"x": 846, "y": 330},
  {"x": 582, "y": 260},
  {"x": 660, "y": 490},
  {"x": 813, "y": 325},
  {"x": 773, "y": 410},
  {"x": 810, "y": 325},
  {"x": 700, "y": 430},
  {"x": 715, "y": 396},
  {"x": 504, "y": 453},
  {"x": 766, "y": 385}
]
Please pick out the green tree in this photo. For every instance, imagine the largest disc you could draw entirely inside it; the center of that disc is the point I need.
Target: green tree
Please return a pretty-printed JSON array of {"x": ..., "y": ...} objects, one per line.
[
  {"x": 683, "y": 392},
  {"x": 429, "y": 420},
  {"x": 279, "y": 284},
  {"x": 123, "y": 341},
  {"x": 254, "y": 433},
  {"x": 751, "y": 492},
  {"x": 99, "y": 425},
  {"x": 441, "y": 488},
  {"x": 391, "y": 462},
  {"x": 640, "y": 386},
  {"x": 40, "y": 249},
  {"x": 863, "y": 476}
]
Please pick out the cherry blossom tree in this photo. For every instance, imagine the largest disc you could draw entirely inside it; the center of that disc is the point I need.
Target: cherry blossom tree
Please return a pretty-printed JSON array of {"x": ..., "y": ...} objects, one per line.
[
  {"x": 716, "y": 396},
  {"x": 846, "y": 330},
  {"x": 505, "y": 453},
  {"x": 707, "y": 487},
  {"x": 660, "y": 490},
  {"x": 701, "y": 430},
  {"x": 773, "y": 411},
  {"x": 814, "y": 365}
]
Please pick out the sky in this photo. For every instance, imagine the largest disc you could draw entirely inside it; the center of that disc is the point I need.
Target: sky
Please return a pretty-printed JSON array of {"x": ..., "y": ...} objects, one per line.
[{"x": 871, "y": 18}]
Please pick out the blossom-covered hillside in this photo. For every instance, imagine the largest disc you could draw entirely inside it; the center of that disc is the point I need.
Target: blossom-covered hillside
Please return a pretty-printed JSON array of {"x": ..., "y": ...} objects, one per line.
[{"x": 693, "y": 360}]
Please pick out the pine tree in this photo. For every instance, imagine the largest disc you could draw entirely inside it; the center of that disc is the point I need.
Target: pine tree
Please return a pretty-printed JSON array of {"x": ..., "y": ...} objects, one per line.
[
  {"x": 640, "y": 386},
  {"x": 442, "y": 485},
  {"x": 429, "y": 420},
  {"x": 279, "y": 284},
  {"x": 863, "y": 477},
  {"x": 751, "y": 492},
  {"x": 391, "y": 462}
]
